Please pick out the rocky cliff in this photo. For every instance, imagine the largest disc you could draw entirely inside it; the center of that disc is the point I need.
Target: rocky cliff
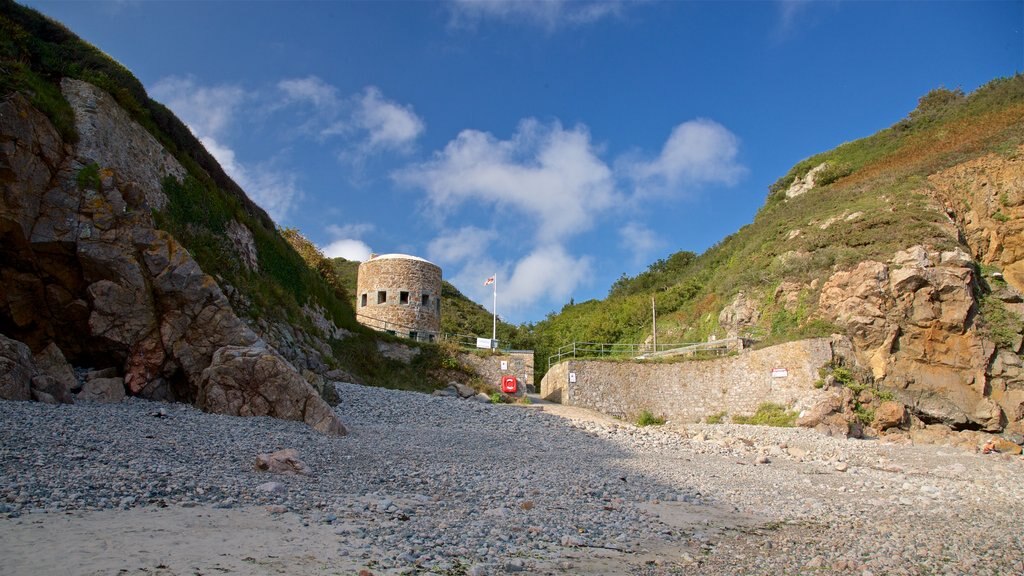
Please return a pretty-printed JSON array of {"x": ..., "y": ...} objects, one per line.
[{"x": 84, "y": 269}]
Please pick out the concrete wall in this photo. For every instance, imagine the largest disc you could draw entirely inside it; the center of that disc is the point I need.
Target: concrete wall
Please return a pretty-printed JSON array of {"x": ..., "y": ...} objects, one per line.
[
  {"x": 692, "y": 390},
  {"x": 394, "y": 274},
  {"x": 488, "y": 366}
]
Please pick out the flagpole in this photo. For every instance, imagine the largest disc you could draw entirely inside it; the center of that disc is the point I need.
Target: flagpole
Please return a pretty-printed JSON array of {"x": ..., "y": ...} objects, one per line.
[{"x": 494, "y": 308}]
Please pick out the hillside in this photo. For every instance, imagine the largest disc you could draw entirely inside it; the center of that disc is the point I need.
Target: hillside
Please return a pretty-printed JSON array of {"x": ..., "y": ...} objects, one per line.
[
  {"x": 908, "y": 241},
  {"x": 126, "y": 250}
]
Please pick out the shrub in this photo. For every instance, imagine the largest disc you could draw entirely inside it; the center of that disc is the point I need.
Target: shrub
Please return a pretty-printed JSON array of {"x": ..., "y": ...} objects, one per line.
[
  {"x": 498, "y": 398},
  {"x": 769, "y": 414},
  {"x": 647, "y": 418},
  {"x": 88, "y": 178},
  {"x": 717, "y": 418},
  {"x": 1000, "y": 325},
  {"x": 831, "y": 172}
]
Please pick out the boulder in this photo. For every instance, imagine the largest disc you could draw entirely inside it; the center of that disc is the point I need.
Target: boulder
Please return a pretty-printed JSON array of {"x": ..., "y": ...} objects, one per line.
[
  {"x": 284, "y": 461},
  {"x": 889, "y": 414},
  {"x": 16, "y": 370},
  {"x": 51, "y": 365},
  {"x": 833, "y": 415},
  {"x": 255, "y": 381},
  {"x": 463, "y": 390},
  {"x": 107, "y": 390}
]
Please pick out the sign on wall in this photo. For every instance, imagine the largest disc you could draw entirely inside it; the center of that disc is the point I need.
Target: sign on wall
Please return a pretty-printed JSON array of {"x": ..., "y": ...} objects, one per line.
[
  {"x": 572, "y": 377},
  {"x": 779, "y": 372},
  {"x": 504, "y": 364}
]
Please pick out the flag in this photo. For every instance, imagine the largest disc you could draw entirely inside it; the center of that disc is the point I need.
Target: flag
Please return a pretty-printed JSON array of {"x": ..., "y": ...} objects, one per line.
[{"x": 489, "y": 281}]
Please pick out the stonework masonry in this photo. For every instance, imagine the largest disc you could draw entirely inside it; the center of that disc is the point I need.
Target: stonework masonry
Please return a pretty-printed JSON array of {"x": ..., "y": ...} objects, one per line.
[
  {"x": 689, "y": 391},
  {"x": 488, "y": 365},
  {"x": 400, "y": 294}
]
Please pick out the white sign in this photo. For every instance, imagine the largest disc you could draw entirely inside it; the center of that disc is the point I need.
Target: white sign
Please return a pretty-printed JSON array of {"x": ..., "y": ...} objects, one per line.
[
  {"x": 779, "y": 372},
  {"x": 483, "y": 343},
  {"x": 572, "y": 377},
  {"x": 504, "y": 364}
]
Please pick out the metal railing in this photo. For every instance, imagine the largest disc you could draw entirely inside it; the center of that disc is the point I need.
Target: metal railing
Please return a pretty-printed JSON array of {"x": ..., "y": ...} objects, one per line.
[{"x": 644, "y": 351}]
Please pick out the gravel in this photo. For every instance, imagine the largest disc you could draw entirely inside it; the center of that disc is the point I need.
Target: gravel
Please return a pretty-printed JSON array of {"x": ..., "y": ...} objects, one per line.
[{"x": 426, "y": 483}]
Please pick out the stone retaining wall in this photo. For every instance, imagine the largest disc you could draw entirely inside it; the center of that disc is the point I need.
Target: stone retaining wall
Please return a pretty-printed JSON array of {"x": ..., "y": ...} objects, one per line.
[
  {"x": 692, "y": 390},
  {"x": 489, "y": 367}
]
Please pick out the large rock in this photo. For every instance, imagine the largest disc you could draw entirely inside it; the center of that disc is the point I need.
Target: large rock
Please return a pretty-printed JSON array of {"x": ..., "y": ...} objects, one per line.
[
  {"x": 16, "y": 370},
  {"x": 253, "y": 381},
  {"x": 911, "y": 321},
  {"x": 106, "y": 390},
  {"x": 890, "y": 414},
  {"x": 51, "y": 364}
]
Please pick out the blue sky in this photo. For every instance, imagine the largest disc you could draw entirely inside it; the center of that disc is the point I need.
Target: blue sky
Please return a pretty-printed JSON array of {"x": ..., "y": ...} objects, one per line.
[{"x": 557, "y": 143}]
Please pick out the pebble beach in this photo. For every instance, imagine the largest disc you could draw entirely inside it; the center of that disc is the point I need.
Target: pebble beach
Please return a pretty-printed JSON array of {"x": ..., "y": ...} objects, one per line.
[{"x": 435, "y": 485}]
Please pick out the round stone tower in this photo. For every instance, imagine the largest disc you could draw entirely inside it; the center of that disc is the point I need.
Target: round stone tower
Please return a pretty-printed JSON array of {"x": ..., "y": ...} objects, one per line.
[{"x": 400, "y": 294}]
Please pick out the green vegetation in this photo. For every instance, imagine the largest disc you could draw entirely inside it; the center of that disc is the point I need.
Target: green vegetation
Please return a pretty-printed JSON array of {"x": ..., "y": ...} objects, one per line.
[
  {"x": 769, "y": 414},
  {"x": 717, "y": 418},
  {"x": 88, "y": 178},
  {"x": 1000, "y": 325},
  {"x": 646, "y": 418}
]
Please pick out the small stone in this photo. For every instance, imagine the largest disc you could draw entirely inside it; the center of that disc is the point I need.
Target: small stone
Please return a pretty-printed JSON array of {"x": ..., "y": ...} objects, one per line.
[
  {"x": 272, "y": 488},
  {"x": 841, "y": 466}
]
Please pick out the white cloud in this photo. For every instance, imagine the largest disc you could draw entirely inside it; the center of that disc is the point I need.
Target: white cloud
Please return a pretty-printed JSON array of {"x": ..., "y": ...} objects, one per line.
[
  {"x": 350, "y": 230},
  {"x": 310, "y": 89},
  {"x": 387, "y": 124},
  {"x": 697, "y": 152},
  {"x": 789, "y": 11},
  {"x": 640, "y": 240},
  {"x": 349, "y": 249},
  {"x": 209, "y": 111},
  {"x": 546, "y": 172},
  {"x": 460, "y": 245},
  {"x": 548, "y": 274},
  {"x": 347, "y": 241},
  {"x": 549, "y": 14}
]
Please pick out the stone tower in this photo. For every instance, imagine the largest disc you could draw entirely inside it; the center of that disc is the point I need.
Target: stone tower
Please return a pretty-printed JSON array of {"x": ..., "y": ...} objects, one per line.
[{"x": 400, "y": 294}]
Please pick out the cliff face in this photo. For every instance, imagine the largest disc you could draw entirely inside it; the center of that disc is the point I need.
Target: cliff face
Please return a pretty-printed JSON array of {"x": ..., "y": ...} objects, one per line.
[{"x": 83, "y": 267}]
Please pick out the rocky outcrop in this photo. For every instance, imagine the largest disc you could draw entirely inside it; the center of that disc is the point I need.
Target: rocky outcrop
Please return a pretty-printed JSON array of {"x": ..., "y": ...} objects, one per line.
[
  {"x": 803, "y": 185},
  {"x": 739, "y": 315},
  {"x": 912, "y": 323},
  {"x": 985, "y": 198},
  {"x": 84, "y": 267}
]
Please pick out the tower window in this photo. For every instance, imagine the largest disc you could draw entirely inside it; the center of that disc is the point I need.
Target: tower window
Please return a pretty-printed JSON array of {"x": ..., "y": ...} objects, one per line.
[
  {"x": 382, "y": 296},
  {"x": 426, "y": 300},
  {"x": 362, "y": 301},
  {"x": 403, "y": 297}
]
